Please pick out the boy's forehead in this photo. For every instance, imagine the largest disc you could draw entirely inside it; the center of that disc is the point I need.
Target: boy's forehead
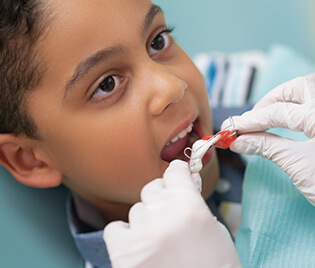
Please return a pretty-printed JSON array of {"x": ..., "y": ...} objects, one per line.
[
  {"x": 80, "y": 28},
  {"x": 97, "y": 10},
  {"x": 74, "y": 18}
]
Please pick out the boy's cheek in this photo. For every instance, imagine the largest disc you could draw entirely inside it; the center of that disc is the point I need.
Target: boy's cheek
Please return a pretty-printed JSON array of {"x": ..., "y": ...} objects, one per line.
[
  {"x": 191, "y": 74},
  {"x": 197, "y": 86},
  {"x": 120, "y": 181}
]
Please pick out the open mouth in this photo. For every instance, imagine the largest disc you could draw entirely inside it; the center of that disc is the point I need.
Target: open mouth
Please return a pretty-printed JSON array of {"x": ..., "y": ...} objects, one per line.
[{"x": 175, "y": 148}]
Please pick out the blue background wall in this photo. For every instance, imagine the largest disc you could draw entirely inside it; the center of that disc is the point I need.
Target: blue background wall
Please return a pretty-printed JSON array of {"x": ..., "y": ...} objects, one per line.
[{"x": 234, "y": 25}]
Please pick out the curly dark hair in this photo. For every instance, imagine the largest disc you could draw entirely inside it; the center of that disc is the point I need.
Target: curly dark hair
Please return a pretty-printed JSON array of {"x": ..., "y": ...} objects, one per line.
[{"x": 21, "y": 27}]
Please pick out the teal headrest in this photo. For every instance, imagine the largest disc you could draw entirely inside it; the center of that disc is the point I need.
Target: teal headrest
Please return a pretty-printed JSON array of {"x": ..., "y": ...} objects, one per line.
[{"x": 33, "y": 227}]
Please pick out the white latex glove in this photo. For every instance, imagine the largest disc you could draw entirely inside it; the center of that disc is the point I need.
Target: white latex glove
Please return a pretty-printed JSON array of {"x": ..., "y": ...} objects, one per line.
[
  {"x": 171, "y": 227},
  {"x": 292, "y": 106}
]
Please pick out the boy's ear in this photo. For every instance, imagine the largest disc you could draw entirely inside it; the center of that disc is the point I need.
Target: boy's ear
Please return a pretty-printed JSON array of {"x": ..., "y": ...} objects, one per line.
[{"x": 18, "y": 157}]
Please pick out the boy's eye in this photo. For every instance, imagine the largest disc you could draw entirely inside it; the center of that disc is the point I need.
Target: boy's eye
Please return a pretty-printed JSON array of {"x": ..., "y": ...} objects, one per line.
[
  {"x": 107, "y": 86},
  {"x": 160, "y": 42}
]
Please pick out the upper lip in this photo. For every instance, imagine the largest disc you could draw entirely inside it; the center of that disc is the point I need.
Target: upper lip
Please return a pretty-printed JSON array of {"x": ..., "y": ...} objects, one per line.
[{"x": 181, "y": 126}]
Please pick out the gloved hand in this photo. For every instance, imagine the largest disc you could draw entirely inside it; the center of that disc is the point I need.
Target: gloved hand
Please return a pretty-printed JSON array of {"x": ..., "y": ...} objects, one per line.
[
  {"x": 292, "y": 106},
  {"x": 171, "y": 227}
]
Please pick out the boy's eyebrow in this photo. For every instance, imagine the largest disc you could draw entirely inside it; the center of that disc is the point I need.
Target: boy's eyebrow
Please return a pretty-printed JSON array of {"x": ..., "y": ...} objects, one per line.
[
  {"x": 102, "y": 55},
  {"x": 154, "y": 10},
  {"x": 88, "y": 63}
]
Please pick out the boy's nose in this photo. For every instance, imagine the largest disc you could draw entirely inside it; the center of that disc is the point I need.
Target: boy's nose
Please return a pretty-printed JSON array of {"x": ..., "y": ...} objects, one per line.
[{"x": 166, "y": 89}]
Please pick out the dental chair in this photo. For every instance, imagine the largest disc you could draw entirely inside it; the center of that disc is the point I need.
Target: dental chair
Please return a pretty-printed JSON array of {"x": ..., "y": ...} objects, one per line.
[{"x": 33, "y": 225}]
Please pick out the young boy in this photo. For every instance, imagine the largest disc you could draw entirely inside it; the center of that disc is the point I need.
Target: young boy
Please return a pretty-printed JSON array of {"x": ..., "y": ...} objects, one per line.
[{"x": 97, "y": 95}]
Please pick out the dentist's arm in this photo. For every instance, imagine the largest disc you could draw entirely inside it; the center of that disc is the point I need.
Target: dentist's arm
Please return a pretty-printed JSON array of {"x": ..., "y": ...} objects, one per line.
[
  {"x": 292, "y": 106},
  {"x": 171, "y": 227}
]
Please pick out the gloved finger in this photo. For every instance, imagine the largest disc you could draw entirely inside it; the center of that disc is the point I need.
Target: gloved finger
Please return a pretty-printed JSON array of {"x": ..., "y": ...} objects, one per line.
[
  {"x": 151, "y": 192},
  {"x": 291, "y": 91},
  {"x": 113, "y": 234},
  {"x": 309, "y": 87},
  {"x": 138, "y": 217},
  {"x": 123, "y": 243},
  {"x": 266, "y": 144},
  {"x": 278, "y": 115},
  {"x": 282, "y": 151},
  {"x": 286, "y": 154},
  {"x": 178, "y": 176},
  {"x": 197, "y": 181}
]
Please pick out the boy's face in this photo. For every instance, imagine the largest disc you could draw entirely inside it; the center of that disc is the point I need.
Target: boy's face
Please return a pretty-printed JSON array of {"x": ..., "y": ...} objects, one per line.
[{"x": 111, "y": 100}]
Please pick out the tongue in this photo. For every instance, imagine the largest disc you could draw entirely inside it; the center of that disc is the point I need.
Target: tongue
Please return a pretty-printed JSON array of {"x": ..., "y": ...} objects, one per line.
[
  {"x": 176, "y": 150},
  {"x": 171, "y": 151}
]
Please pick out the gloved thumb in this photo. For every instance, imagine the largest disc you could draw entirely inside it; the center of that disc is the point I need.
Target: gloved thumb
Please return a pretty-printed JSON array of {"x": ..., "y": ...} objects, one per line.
[{"x": 294, "y": 157}]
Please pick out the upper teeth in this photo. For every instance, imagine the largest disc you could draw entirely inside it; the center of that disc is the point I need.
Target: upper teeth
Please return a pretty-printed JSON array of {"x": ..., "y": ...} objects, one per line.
[{"x": 183, "y": 133}]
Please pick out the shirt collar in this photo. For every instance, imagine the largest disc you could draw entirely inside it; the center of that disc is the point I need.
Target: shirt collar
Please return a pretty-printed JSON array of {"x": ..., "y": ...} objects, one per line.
[{"x": 88, "y": 239}]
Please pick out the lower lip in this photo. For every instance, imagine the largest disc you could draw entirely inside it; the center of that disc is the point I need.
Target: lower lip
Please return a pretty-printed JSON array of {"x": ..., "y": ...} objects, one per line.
[{"x": 173, "y": 150}]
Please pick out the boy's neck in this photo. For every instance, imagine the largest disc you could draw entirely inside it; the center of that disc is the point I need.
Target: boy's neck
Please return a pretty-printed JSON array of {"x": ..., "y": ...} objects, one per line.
[{"x": 97, "y": 216}]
